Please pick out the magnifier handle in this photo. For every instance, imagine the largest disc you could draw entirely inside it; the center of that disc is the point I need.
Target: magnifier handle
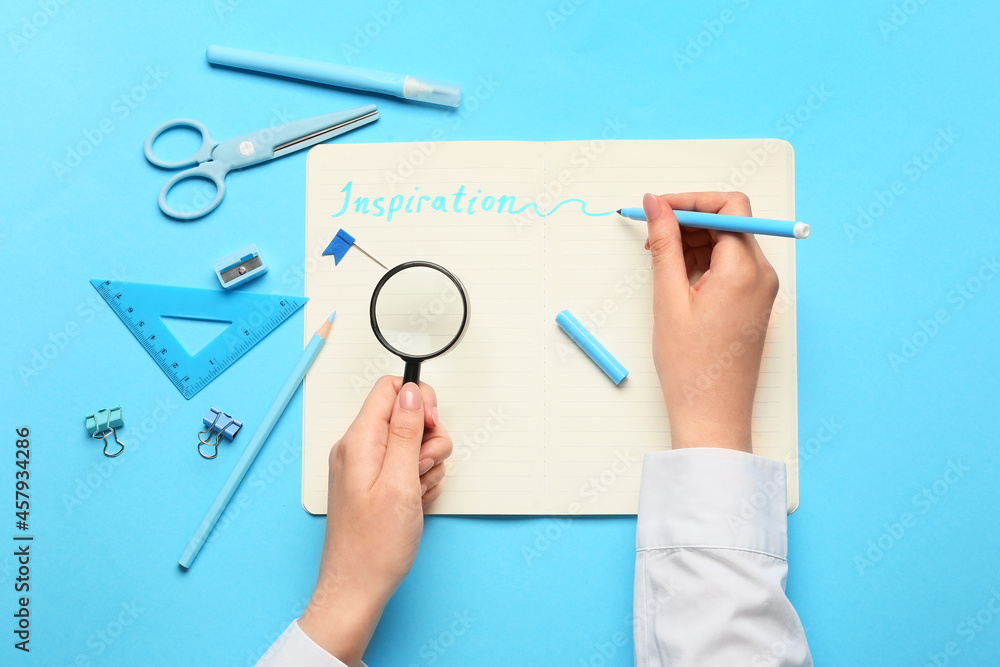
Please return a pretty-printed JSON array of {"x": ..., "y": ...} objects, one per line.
[{"x": 412, "y": 372}]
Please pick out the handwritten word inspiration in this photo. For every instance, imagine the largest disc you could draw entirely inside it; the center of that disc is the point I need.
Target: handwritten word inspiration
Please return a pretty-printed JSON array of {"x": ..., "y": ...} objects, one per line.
[{"x": 452, "y": 203}]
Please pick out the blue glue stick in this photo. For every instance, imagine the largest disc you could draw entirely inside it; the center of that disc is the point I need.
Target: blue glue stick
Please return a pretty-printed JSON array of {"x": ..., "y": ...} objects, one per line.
[{"x": 575, "y": 330}]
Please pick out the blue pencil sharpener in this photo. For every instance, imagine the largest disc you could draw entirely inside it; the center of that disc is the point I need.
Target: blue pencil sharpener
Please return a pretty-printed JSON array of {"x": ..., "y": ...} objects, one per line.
[{"x": 239, "y": 267}]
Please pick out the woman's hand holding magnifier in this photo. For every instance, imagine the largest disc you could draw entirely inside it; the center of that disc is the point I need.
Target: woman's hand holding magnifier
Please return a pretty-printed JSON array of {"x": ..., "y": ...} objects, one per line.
[{"x": 383, "y": 472}]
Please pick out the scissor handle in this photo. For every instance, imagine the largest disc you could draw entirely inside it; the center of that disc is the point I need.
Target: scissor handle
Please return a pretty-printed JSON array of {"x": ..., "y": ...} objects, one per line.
[
  {"x": 209, "y": 171},
  {"x": 200, "y": 155}
]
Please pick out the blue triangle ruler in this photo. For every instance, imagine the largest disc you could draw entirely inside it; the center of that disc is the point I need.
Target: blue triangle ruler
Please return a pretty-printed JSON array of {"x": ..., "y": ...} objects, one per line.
[{"x": 140, "y": 307}]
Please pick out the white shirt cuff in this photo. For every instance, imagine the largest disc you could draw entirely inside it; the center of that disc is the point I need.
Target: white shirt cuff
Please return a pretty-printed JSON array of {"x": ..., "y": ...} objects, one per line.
[
  {"x": 294, "y": 648},
  {"x": 712, "y": 497}
]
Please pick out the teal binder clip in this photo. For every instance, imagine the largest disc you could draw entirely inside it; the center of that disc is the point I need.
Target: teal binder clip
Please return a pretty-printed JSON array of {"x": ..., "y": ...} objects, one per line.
[{"x": 106, "y": 422}]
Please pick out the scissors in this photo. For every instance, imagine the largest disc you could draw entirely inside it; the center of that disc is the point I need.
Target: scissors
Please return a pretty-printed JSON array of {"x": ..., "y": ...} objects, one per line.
[{"x": 214, "y": 159}]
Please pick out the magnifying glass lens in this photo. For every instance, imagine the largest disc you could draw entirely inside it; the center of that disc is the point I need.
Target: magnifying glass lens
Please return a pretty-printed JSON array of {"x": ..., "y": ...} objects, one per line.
[{"x": 419, "y": 311}]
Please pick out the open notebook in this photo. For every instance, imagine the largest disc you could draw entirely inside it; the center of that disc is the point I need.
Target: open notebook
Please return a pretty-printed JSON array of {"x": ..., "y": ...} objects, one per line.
[{"x": 537, "y": 427}]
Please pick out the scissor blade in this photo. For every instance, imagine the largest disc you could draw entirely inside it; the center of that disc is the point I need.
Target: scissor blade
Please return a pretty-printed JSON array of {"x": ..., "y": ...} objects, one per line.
[{"x": 308, "y": 132}]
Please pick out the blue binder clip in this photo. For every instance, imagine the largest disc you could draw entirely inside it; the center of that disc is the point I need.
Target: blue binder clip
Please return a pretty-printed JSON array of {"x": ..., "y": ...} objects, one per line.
[
  {"x": 106, "y": 422},
  {"x": 239, "y": 267},
  {"x": 220, "y": 423}
]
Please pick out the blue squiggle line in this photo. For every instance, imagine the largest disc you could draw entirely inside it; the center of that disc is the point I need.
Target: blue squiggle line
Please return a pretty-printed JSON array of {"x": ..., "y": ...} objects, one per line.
[
  {"x": 583, "y": 208},
  {"x": 537, "y": 212}
]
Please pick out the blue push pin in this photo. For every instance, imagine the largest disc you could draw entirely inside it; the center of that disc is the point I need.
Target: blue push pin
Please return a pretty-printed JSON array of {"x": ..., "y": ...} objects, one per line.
[{"x": 343, "y": 242}]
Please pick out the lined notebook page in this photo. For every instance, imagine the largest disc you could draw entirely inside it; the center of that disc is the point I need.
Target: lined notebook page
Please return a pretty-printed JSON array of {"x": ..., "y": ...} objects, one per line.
[
  {"x": 538, "y": 428},
  {"x": 489, "y": 388},
  {"x": 597, "y": 268}
]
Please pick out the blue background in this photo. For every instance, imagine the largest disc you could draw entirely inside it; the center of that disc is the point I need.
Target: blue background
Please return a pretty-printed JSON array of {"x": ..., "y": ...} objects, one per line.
[{"x": 108, "y": 533}]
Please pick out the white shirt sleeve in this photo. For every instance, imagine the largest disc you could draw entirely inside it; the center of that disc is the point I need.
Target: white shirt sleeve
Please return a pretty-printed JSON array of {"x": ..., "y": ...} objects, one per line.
[
  {"x": 294, "y": 648},
  {"x": 710, "y": 565}
]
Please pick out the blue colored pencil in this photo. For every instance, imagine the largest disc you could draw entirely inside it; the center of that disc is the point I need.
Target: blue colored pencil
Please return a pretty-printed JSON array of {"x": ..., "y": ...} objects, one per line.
[
  {"x": 246, "y": 458},
  {"x": 730, "y": 223}
]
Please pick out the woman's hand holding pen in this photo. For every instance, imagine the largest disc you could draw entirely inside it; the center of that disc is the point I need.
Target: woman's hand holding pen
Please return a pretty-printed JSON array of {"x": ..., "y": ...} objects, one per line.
[{"x": 712, "y": 298}]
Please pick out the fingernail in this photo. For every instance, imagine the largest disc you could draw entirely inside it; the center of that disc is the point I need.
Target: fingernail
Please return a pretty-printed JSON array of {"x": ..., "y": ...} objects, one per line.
[
  {"x": 651, "y": 204},
  {"x": 434, "y": 416},
  {"x": 647, "y": 243},
  {"x": 425, "y": 465},
  {"x": 423, "y": 489},
  {"x": 409, "y": 397}
]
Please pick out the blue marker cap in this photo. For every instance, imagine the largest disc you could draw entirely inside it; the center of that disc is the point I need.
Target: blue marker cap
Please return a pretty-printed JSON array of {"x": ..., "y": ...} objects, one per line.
[{"x": 575, "y": 330}]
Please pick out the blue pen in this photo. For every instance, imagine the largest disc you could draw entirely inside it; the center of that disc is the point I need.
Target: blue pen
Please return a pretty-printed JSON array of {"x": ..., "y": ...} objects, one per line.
[
  {"x": 398, "y": 85},
  {"x": 730, "y": 223}
]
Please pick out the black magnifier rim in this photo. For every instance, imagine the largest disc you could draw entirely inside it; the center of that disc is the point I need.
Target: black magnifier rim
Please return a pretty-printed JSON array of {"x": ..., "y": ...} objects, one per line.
[{"x": 409, "y": 265}]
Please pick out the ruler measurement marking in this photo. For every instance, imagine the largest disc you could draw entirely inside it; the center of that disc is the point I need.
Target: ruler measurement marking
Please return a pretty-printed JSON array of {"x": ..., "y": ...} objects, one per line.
[{"x": 186, "y": 382}]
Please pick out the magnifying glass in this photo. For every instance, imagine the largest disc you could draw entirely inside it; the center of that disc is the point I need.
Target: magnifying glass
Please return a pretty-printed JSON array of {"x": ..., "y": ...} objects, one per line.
[{"x": 419, "y": 310}]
